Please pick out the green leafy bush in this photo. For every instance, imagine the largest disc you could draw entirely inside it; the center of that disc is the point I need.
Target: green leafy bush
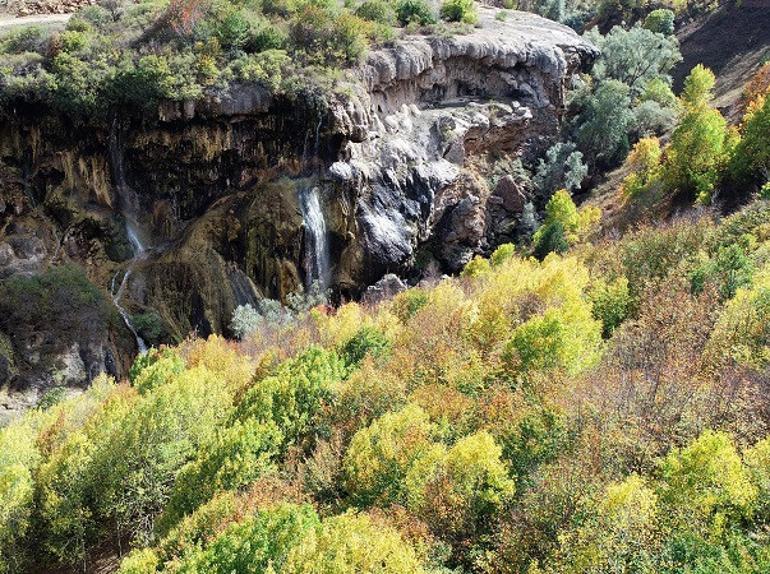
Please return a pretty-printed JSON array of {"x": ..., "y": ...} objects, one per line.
[
  {"x": 459, "y": 11},
  {"x": 419, "y": 11},
  {"x": 368, "y": 341},
  {"x": 378, "y": 11},
  {"x": 660, "y": 21}
]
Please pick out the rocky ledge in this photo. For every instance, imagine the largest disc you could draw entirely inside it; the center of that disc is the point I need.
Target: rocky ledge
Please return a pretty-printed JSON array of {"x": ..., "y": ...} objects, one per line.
[{"x": 405, "y": 163}]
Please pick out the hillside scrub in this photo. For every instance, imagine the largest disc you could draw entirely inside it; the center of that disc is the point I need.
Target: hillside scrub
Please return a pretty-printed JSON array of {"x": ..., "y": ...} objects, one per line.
[
  {"x": 124, "y": 56},
  {"x": 442, "y": 429}
]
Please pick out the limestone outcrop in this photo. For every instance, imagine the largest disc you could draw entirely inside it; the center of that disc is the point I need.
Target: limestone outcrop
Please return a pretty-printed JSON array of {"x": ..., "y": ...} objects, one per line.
[{"x": 404, "y": 159}]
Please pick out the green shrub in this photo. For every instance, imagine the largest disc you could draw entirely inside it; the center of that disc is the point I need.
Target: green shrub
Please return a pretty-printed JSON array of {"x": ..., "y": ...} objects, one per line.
[
  {"x": 707, "y": 482},
  {"x": 293, "y": 396},
  {"x": 460, "y": 11},
  {"x": 235, "y": 458},
  {"x": 72, "y": 40},
  {"x": 380, "y": 456},
  {"x": 150, "y": 327},
  {"x": 418, "y": 11},
  {"x": 368, "y": 341},
  {"x": 352, "y": 544},
  {"x": 23, "y": 39},
  {"x": 267, "y": 37},
  {"x": 502, "y": 254},
  {"x": 326, "y": 37},
  {"x": 378, "y": 11},
  {"x": 701, "y": 144},
  {"x": 476, "y": 267},
  {"x": 660, "y": 21},
  {"x": 728, "y": 270},
  {"x": 155, "y": 368},
  {"x": 611, "y": 304},
  {"x": 407, "y": 304},
  {"x": 259, "y": 544}
]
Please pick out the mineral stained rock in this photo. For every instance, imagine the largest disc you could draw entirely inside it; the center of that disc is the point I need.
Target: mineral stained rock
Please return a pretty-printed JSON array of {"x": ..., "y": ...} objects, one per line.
[{"x": 396, "y": 158}]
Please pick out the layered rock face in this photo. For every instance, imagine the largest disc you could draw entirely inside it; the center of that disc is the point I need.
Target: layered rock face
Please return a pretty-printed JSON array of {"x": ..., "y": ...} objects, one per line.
[{"x": 217, "y": 203}]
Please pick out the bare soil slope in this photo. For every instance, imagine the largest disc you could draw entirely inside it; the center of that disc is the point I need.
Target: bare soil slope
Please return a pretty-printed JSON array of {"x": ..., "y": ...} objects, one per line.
[{"x": 734, "y": 42}]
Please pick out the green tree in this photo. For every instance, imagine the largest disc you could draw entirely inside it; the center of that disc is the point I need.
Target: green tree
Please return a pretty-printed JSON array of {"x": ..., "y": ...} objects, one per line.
[
  {"x": 261, "y": 543},
  {"x": 660, "y": 21},
  {"x": 603, "y": 122},
  {"x": 562, "y": 226},
  {"x": 705, "y": 484},
  {"x": 701, "y": 144},
  {"x": 751, "y": 160},
  {"x": 293, "y": 396},
  {"x": 635, "y": 56}
]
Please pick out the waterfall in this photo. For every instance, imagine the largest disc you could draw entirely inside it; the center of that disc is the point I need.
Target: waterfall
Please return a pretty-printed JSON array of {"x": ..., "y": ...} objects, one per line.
[
  {"x": 133, "y": 238},
  {"x": 116, "y": 297},
  {"x": 317, "y": 265},
  {"x": 128, "y": 203}
]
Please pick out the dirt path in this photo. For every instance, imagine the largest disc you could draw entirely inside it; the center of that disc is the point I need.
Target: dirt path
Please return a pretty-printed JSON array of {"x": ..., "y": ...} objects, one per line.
[{"x": 42, "y": 19}]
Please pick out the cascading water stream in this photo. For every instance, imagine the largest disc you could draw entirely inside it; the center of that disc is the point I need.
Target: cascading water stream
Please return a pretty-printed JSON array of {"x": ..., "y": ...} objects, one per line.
[
  {"x": 127, "y": 202},
  {"x": 116, "y": 296},
  {"x": 317, "y": 260}
]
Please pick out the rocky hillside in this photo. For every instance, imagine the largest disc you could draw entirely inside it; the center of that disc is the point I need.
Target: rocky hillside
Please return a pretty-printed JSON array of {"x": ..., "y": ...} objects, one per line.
[{"x": 186, "y": 211}]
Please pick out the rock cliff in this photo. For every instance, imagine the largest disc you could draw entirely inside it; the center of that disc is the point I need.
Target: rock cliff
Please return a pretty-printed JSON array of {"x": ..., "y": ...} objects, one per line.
[{"x": 403, "y": 161}]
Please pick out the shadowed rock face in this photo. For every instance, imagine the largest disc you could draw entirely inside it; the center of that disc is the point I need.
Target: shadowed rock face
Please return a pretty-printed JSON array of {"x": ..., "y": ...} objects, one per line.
[{"x": 397, "y": 152}]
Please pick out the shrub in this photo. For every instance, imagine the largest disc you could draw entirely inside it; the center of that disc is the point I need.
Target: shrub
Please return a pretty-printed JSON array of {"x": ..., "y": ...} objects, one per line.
[
  {"x": 660, "y": 21},
  {"x": 23, "y": 39},
  {"x": 367, "y": 341},
  {"x": 706, "y": 482},
  {"x": 349, "y": 544},
  {"x": 645, "y": 163},
  {"x": 751, "y": 160},
  {"x": 604, "y": 122},
  {"x": 729, "y": 270},
  {"x": 563, "y": 168},
  {"x": 476, "y": 267},
  {"x": 380, "y": 456},
  {"x": 565, "y": 338},
  {"x": 418, "y": 11},
  {"x": 378, "y": 11},
  {"x": 329, "y": 38},
  {"x": 119, "y": 471},
  {"x": 619, "y": 531},
  {"x": 634, "y": 56},
  {"x": 293, "y": 396},
  {"x": 155, "y": 368},
  {"x": 459, "y": 492},
  {"x": 611, "y": 304},
  {"x": 742, "y": 331},
  {"x": 563, "y": 225},
  {"x": 459, "y": 11},
  {"x": 236, "y": 457},
  {"x": 502, "y": 254},
  {"x": 143, "y": 561},
  {"x": 407, "y": 304},
  {"x": 260, "y": 543}
]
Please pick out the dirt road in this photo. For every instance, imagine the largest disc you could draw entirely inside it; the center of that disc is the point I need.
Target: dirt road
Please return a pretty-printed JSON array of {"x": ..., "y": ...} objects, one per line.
[{"x": 7, "y": 22}]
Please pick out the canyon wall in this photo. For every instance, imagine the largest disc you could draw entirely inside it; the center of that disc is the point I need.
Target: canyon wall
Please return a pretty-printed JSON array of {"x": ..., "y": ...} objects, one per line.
[{"x": 403, "y": 163}]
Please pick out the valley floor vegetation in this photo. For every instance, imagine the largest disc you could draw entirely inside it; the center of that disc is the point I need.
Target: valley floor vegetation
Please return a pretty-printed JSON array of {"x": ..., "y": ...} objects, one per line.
[
  {"x": 604, "y": 410},
  {"x": 577, "y": 404}
]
